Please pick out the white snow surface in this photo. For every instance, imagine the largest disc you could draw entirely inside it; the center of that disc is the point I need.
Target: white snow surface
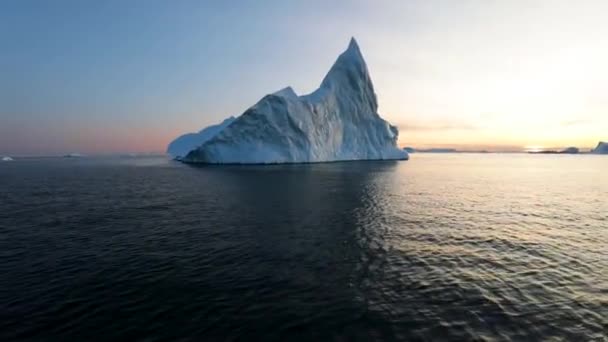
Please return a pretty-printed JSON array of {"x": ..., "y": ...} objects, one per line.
[
  {"x": 337, "y": 122},
  {"x": 182, "y": 145},
  {"x": 602, "y": 148}
]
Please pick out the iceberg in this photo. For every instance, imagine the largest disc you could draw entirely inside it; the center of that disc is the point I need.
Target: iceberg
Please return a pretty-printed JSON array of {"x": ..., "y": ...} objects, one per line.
[
  {"x": 570, "y": 150},
  {"x": 602, "y": 148},
  {"x": 7, "y": 159},
  {"x": 337, "y": 122},
  {"x": 180, "y": 147},
  {"x": 74, "y": 155}
]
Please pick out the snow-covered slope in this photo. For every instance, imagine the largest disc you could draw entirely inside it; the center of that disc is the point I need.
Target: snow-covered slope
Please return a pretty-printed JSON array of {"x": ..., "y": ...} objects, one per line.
[
  {"x": 602, "y": 148},
  {"x": 188, "y": 142},
  {"x": 338, "y": 121}
]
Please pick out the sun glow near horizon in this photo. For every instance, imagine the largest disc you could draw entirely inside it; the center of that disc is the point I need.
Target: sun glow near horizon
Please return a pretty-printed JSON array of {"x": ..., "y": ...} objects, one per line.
[{"x": 508, "y": 74}]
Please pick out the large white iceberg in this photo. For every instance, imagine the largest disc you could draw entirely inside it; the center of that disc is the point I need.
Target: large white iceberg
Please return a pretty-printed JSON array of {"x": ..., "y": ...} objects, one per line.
[
  {"x": 179, "y": 147},
  {"x": 7, "y": 159},
  {"x": 602, "y": 148},
  {"x": 338, "y": 121}
]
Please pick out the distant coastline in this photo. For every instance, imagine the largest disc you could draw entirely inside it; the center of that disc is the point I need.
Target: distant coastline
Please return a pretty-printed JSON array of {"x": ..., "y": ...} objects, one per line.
[{"x": 551, "y": 150}]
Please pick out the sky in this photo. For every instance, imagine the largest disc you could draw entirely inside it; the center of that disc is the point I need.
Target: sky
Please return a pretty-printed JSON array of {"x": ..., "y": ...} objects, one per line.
[{"x": 129, "y": 76}]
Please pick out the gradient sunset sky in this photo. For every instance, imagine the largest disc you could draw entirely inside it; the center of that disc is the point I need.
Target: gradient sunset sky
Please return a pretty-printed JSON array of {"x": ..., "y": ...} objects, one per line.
[{"x": 128, "y": 76}]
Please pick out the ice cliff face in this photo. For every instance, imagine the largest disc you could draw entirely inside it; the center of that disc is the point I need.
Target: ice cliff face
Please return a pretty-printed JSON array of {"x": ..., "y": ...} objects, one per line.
[
  {"x": 338, "y": 121},
  {"x": 182, "y": 145},
  {"x": 602, "y": 148}
]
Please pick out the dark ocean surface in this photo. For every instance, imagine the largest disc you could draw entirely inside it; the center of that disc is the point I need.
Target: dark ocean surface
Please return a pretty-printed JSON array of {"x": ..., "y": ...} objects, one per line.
[{"x": 442, "y": 247}]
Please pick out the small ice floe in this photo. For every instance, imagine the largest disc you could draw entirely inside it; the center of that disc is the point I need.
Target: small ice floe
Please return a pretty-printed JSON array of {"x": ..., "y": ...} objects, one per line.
[{"x": 73, "y": 155}]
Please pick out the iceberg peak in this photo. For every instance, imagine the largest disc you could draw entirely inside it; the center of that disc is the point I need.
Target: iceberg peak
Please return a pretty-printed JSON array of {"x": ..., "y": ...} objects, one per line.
[
  {"x": 353, "y": 50},
  {"x": 349, "y": 69}
]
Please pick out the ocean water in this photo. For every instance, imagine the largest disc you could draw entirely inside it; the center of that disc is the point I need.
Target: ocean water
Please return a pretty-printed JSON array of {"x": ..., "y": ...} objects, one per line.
[{"x": 441, "y": 247}]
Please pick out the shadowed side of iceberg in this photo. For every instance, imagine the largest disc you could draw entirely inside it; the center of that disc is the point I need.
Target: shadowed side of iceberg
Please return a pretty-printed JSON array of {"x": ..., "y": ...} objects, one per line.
[{"x": 601, "y": 148}]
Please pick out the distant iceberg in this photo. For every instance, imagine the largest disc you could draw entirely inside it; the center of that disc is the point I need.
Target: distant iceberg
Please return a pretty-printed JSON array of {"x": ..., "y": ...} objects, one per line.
[
  {"x": 602, "y": 148},
  {"x": 570, "y": 150},
  {"x": 7, "y": 159},
  {"x": 180, "y": 147},
  {"x": 73, "y": 155},
  {"x": 337, "y": 122}
]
